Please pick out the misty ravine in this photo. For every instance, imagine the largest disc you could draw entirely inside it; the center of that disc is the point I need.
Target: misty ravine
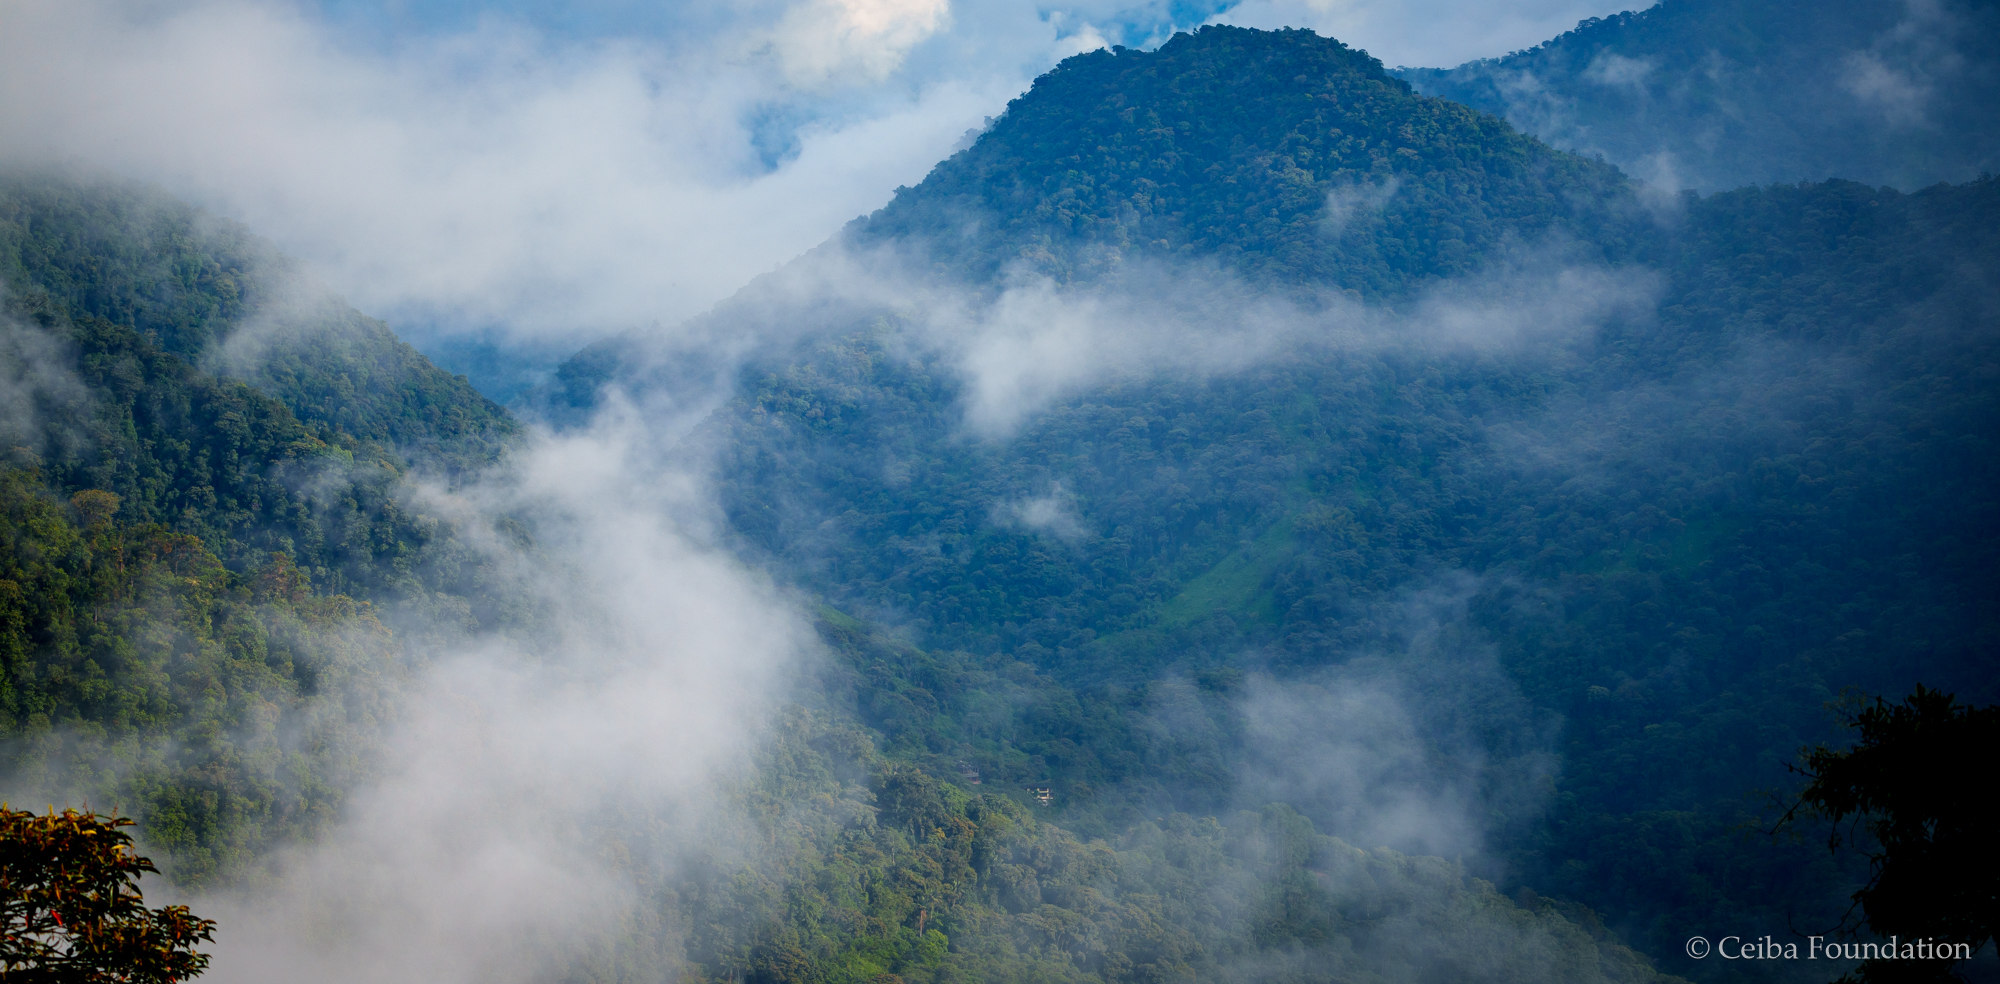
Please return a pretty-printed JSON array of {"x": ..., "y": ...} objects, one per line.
[{"x": 1245, "y": 514}]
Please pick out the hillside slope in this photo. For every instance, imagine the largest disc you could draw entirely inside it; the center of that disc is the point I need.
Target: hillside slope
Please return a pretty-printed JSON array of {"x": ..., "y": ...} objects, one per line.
[
  {"x": 177, "y": 636},
  {"x": 195, "y": 578},
  {"x": 1226, "y": 145},
  {"x": 1657, "y": 491},
  {"x": 209, "y": 292},
  {"x": 194, "y": 585},
  {"x": 1716, "y": 94}
]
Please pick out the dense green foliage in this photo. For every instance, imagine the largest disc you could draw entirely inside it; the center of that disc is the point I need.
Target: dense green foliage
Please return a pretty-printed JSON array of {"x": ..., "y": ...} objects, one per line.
[
  {"x": 1223, "y": 146},
  {"x": 73, "y": 912},
  {"x": 1678, "y": 527},
  {"x": 217, "y": 459},
  {"x": 1715, "y": 94},
  {"x": 230, "y": 712},
  {"x": 864, "y": 869},
  {"x": 208, "y": 291},
  {"x": 182, "y": 550}
]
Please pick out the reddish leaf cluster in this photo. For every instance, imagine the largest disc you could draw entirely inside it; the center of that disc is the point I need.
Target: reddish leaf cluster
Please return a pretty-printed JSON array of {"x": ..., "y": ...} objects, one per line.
[{"x": 71, "y": 909}]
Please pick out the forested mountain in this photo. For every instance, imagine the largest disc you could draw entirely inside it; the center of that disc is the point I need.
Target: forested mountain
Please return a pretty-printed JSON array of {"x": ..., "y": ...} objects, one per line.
[
  {"x": 1226, "y": 145},
  {"x": 213, "y": 600},
  {"x": 1714, "y": 94},
  {"x": 197, "y": 568},
  {"x": 1621, "y": 556},
  {"x": 1267, "y": 525},
  {"x": 209, "y": 292},
  {"x": 160, "y": 629}
]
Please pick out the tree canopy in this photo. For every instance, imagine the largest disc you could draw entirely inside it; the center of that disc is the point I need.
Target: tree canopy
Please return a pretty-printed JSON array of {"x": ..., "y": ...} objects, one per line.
[
  {"x": 72, "y": 911},
  {"x": 1912, "y": 783}
]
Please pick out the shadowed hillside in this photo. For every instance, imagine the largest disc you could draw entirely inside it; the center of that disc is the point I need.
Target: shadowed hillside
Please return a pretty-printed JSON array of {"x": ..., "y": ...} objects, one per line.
[
  {"x": 1713, "y": 94},
  {"x": 1253, "y": 522},
  {"x": 1581, "y": 487}
]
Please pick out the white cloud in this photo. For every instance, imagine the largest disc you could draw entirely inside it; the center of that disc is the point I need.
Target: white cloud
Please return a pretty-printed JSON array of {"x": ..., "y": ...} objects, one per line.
[
  {"x": 821, "y": 41},
  {"x": 1434, "y": 33},
  {"x": 535, "y": 787},
  {"x": 493, "y": 177},
  {"x": 1612, "y": 69},
  {"x": 1419, "y": 746},
  {"x": 1357, "y": 201},
  {"x": 35, "y": 379},
  {"x": 1037, "y": 344},
  {"x": 1052, "y": 514},
  {"x": 564, "y": 187}
]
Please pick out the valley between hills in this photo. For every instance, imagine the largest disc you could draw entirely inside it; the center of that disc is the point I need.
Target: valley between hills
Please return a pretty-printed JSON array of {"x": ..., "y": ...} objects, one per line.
[{"x": 1248, "y": 515}]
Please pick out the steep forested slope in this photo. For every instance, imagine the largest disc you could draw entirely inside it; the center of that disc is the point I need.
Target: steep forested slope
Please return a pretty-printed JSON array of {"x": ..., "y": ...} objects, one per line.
[
  {"x": 1713, "y": 94},
  {"x": 870, "y": 870},
  {"x": 1684, "y": 539},
  {"x": 1539, "y": 537},
  {"x": 1224, "y": 146},
  {"x": 159, "y": 627},
  {"x": 191, "y": 573},
  {"x": 96, "y": 406},
  {"x": 138, "y": 673},
  {"x": 1744, "y": 469},
  {"x": 174, "y": 643},
  {"x": 208, "y": 291}
]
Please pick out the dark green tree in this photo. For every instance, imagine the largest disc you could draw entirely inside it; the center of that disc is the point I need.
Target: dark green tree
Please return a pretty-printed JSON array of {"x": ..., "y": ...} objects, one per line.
[
  {"x": 1916, "y": 782},
  {"x": 72, "y": 910}
]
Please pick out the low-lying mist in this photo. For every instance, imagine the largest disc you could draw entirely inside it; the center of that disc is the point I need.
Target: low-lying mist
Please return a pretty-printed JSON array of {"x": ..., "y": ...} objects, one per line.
[
  {"x": 1020, "y": 345},
  {"x": 1427, "y": 747},
  {"x": 522, "y": 795},
  {"x": 535, "y": 785},
  {"x": 540, "y": 785}
]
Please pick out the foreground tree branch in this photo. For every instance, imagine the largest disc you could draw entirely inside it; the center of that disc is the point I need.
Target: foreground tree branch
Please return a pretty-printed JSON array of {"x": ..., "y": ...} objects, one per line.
[{"x": 72, "y": 911}]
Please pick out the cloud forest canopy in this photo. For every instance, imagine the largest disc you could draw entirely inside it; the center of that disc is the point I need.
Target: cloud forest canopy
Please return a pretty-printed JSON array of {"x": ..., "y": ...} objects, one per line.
[
  {"x": 163, "y": 649},
  {"x": 1224, "y": 145},
  {"x": 1534, "y": 526},
  {"x": 1669, "y": 518},
  {"x": 193, "y": 573},
  {"x": 204, "y": 289},
  {"x": 1714, "y": 94}
]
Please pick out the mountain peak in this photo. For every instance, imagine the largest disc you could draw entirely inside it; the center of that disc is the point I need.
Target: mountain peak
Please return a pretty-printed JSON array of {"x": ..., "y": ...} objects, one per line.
[{"x": 1286, "y": 155}]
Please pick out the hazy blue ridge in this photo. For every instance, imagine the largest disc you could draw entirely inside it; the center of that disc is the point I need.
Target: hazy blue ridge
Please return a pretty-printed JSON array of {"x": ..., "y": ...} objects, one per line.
[
  {"x": 1716, "y": 94},
  {"x": 1678, "y": 532},
  {"x": 1463, "y": 628}
]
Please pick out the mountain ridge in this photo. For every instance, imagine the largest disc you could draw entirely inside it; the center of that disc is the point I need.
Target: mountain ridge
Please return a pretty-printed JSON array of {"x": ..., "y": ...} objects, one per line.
[
  {"x": 209, "y": 292},
  {"x": 1717, "y": 94},
  {"x": 1542, "y": 550},
  {"x": 1292, "y": 513},
  {"x": 1128, "y": 151}
]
